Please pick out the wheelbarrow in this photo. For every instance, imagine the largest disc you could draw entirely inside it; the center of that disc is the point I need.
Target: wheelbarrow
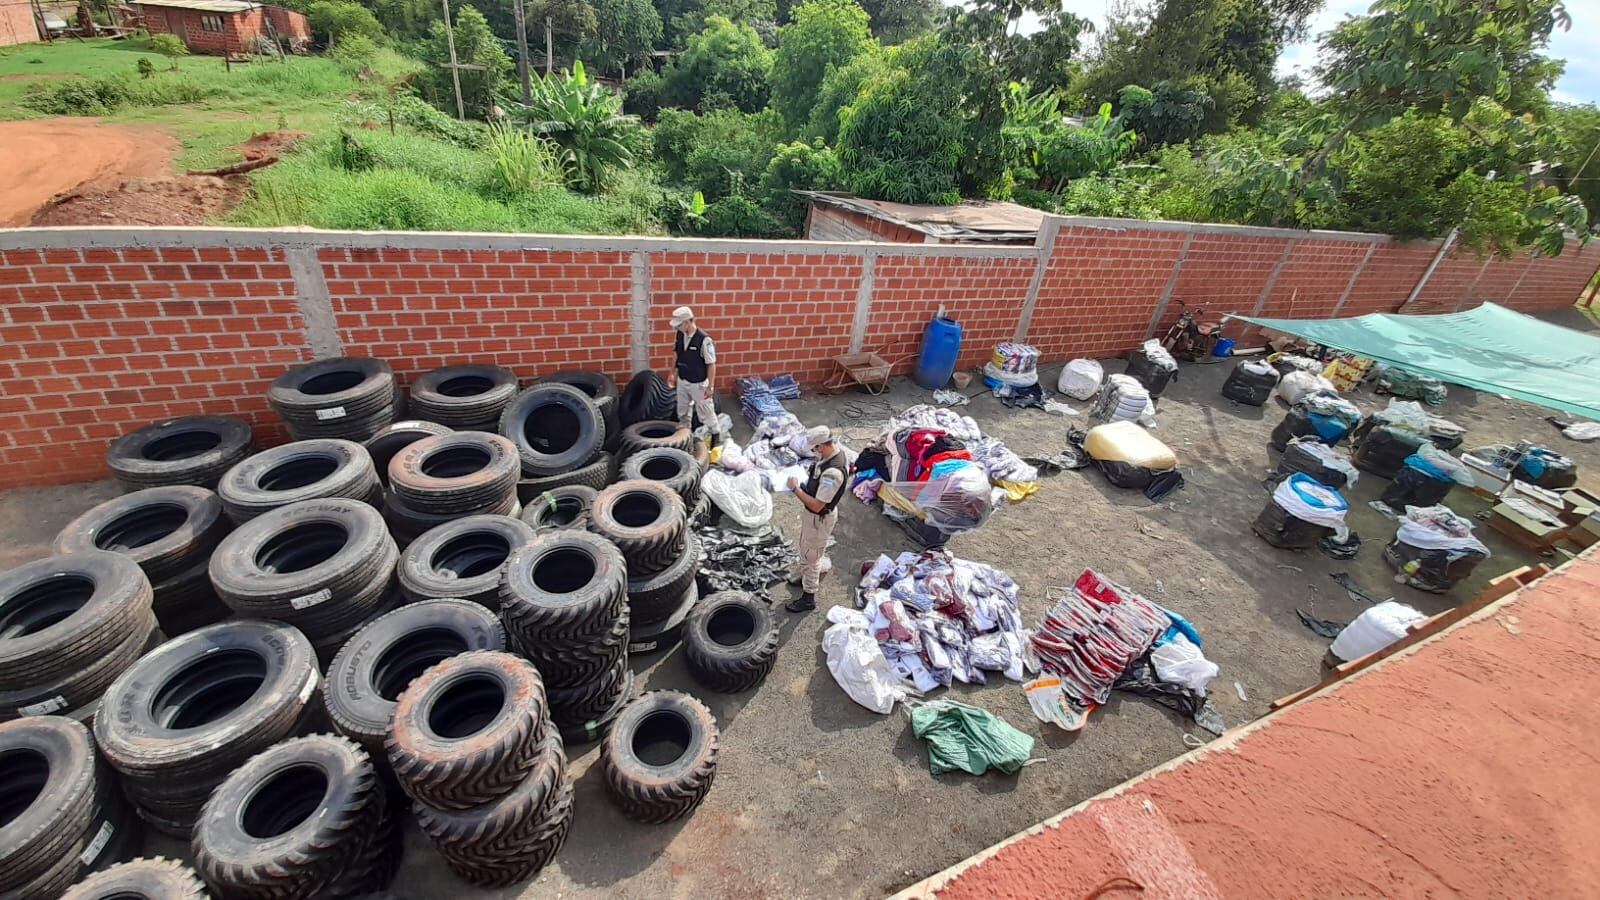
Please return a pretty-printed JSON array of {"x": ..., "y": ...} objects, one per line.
[{"x": 869, "y": 370}]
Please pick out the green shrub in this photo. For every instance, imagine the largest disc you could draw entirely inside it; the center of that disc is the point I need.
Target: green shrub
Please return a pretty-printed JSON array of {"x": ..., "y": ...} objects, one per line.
[
  {"x": 798, "y": 166},
  {"x": 145, "y": 67},
  {"x": 894, "y": 145},
  {"x": 78, "y": 97},
  {"x": 520, "y": 161},
  {"x": 739, "y": 216},
  {"x": 169, "y": 45},
  {"x": 585, "y": 119},
  {"x": 351, "y": 155},
  {"x": 354, "y": 51},
  {"x": 707, "y": 150}
]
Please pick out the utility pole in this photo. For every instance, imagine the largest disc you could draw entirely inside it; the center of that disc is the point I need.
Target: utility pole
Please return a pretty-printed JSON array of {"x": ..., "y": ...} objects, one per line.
[
  {"x": 522, "y": 50},
  {"x": 549, "y": 46},
  {"x": 455, "y": 65}
]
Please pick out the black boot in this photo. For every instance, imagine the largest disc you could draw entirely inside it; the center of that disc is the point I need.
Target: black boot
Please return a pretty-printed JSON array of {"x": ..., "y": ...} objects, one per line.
[{"x": 804, "y": 603}]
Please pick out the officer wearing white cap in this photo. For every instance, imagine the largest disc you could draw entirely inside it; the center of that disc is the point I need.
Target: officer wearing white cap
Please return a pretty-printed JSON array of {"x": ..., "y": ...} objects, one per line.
[
  {"x": 820, "y": 495},
  {"x": 694, "y": 371}
]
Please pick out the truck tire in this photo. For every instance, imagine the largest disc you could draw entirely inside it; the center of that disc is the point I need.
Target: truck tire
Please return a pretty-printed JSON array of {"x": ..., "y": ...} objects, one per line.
[
  {"x": 466, "y": 398},
  {"x": 653, "y": 434},
  {"x": 351, "y": 398},
  {"x": 455, "y": 474},
  {"x": 673, "y": 468},
  {"x": 655, "y": 597},
  {"x": 192, "y": 450},
  {"x": 559, "y": 508},
  {"x": 394, "y": 438},
  {"x": 80, "y": 689},
  {"x": 730, "y": 642},
  {"x": 561, "y": 598},
  {"x": 289, "y": 821},
  {"x": 52, "y": 786},
  {"x": 600, "y": 388},
  {"x": 378, "y": 662},
  {"x": 594, "y": 476},
  {"x": 462, "y": 559},
  {"x": 407, "y": 524},
  {"x": 61, "y": 612},
  {"x": 646, "y": 397},
  {"x": 555, "y": 428},
  {"x": 166, "y": 530},
  {"x": 188, "y": 601},
  {"x": 645, "y": 520},
  {"x": 660, "y": 757},
  {"x": 665, "y": 634},
  {"x": 157, "y": 878},
  {"x": 467, "y": 730},
  {"x": 303, "y": 470}
]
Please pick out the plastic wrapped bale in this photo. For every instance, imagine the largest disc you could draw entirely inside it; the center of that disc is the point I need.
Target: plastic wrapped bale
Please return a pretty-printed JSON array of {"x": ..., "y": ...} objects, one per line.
[
  {"x": 1293, "y": 362},
  {"x": 1152, "y": 366},
  {"x": 1122, "y": 399},
  {"x": 1251, "y": 382},
  {"x": 1384, "y": 448},
  {"x": 1445, "y": 434},
  {"x": 1399, "y": 382},
  {"x": 1297, "y": 385},
  {"x": 1129, "y": 456},
  {"x": 1434, "y": 549},
  {"x": 1301, "y": 512},
  {"x": 956, "y": 497},
  {"x": 1547, "y": 469},
  {"x": 1414, "y": 487},
  {"x": 1080, "y": 379},
  {"x": 1323, "y": 463},
  {"x": 1323, "y": 416}
]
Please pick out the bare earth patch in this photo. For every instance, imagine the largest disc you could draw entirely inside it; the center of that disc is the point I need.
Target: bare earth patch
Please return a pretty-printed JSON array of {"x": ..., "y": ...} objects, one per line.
[
  {"x": 167, "y": 200},
  {"x": 40, "y": 158}
]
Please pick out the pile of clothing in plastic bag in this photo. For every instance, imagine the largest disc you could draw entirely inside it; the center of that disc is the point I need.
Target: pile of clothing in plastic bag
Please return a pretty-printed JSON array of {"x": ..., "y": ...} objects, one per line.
[
  {"x": 1101, "y": 637},
  {"x": 1328, "y": 465},
  {"x": 776, "y": 452},
  {"x": 1425, "y": 479},
  {"x": 1547, "y": 469},
  {"x": 1251, "y": 382},
  {"x": 940, "y": 619},
  {"x": 1302, "y": 512},
  {"x": 1399, "y": 382},
  {"x": 1321, "y": 415},
  {"x": 1013, "y": 374},
  {"x": 1081, "y": 379},
  {"x": 1434, "y": 548},
  {"x": 1122, "y": 399}
]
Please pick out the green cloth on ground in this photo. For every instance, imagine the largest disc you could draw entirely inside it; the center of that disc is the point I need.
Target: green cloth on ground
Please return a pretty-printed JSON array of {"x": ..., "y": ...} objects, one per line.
[
  {"x": 968, "y": 739},
  {"x": 1490, "y": 348}
]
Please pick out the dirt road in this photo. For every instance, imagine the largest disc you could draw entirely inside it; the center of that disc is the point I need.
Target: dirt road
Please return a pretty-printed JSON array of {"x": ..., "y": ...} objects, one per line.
[{"x": 40, "y": 158}]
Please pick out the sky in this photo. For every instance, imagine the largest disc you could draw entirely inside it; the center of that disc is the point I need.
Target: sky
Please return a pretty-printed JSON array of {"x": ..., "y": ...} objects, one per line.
[{"x": 1580, "y": 46}]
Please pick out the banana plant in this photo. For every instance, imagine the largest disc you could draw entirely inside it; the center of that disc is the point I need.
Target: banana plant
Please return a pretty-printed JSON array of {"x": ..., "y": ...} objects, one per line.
[{"x": 585, "y": 119}]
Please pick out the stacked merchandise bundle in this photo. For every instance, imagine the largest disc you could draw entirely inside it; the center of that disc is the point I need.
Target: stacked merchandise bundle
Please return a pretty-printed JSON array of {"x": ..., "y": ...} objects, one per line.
[
  {"x": 1345, "y": 371},
  {"x": 775, "y": 451},
  {"x": 1122, "y": 399},
  {"x": 940, "y": 619},
  {"x": 1547, "y": 469},
  {"x": 1301, "y": 512},
  {"x": 758, "y": 401},
  {"x": 1323, "y": 416},
  {"x": 1434, "y": 548},
  {"x": 1425, "y": 479},
  {"x": 784, "y": 387},
  {"x": 1152, "y": 366},
  {"x": 1327, "y": 465},
  {"x": 1091, "y": 636},
  {"x": 1129, "y": 456},
  {"x": 1399, "y": 382},
  {"x": 1013, "y": 365},
  {"x": 1251, "y": 382},
  {"x": 1081, "y": 378}
]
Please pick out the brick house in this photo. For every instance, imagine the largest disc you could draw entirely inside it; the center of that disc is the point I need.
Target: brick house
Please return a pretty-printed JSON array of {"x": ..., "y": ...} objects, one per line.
[
  {"x": 834, "y": 216},
  {"x": 222, "y": 26}
]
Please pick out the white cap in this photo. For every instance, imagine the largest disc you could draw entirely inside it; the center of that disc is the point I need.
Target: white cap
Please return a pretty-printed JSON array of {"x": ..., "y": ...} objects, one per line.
[
  {"x": 681, "y": 315},
  {"x": 816, "y": 437}
]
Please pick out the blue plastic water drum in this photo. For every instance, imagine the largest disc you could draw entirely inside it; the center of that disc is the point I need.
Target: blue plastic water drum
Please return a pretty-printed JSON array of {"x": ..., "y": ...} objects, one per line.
[
  {"x": 941, "y": 347},
  {"x": 1224, "y": 347}
]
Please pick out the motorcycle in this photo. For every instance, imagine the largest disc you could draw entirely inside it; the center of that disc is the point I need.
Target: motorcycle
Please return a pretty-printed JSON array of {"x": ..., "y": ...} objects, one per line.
[{"x": 1189, "y": 338}]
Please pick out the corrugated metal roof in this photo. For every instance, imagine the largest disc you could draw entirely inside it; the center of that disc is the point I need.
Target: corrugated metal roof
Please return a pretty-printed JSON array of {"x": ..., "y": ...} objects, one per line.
[
  {"x": 970, "y": 220},
  {"x": 211, "y": 6}
]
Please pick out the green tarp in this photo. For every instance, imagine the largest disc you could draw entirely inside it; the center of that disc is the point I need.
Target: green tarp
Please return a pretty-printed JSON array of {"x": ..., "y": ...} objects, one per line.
[{"x": 1489, "y": 348}]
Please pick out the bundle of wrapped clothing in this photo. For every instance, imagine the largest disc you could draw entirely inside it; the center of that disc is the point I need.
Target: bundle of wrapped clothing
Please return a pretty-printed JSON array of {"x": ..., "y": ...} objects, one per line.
[
  {"x": 940, "y": 619},
  {"x": 758, "y": 401},
  {"x": 777, "y": 451}
]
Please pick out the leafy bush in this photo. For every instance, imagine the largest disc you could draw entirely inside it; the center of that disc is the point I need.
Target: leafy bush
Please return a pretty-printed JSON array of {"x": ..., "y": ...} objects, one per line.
[
  {"x": 416, "y": 114},
  {"x": 893, "y": 147},
  {"x": 145, "y": 67},
  {"x": 102, "y": 96},
  {"x": 585, "y": 118},
  {"x": 707, "y": 150},
  {"x": 338, "y": 19},
  {"x": 738, "y": 216},
  {"x": 643, "y": 94},
  {"x": 169, "y": 45},
  {"x": 823, "y": 35},
  {"x": 1165, "y": 113},
  {"x": 726, "y": 64},
  {"x": 798, "y": 166},
  {"x": 521, "y": 162},
  {"x": 354, "y": 51}
]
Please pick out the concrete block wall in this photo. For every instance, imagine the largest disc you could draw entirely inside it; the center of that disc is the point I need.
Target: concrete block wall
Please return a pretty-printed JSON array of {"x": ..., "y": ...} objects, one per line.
[{"x": 104, "y": 330}]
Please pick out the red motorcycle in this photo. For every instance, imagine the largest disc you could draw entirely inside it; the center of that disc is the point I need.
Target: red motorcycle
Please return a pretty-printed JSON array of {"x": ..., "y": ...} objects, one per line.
[{"x": 1189, "y": 338}]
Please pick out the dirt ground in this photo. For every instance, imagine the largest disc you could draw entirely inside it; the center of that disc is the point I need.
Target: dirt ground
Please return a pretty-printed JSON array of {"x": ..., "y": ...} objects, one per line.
[
  {"x": 815, "y": 796},
  {"x": 40, "y": 158},
  {"x": 167, "y": 200}
]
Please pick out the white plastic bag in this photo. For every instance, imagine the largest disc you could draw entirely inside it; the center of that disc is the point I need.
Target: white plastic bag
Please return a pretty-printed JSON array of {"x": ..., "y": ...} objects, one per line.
[
  {"x": 1310, "y": 500},
  {"x": 1374, "y": 630},
  {"x": 1181, "y": 662},
  {"x": 1158, "y": 355},
  {"x": 1298, "y": 385},
  {"x": 742, "y": 498},
  {"x": 1582, "y": 431},
  {"x": 1333, "y": 458},
  {"x": 1437, "y": 528},
  {"x": 1049, "y": 703},
  {"x": 857, "y": 662},
  {"x": 1444, "y": 462},
  {"x": 1122, "y": 398},
  {"x": 1080, "y": 379}
]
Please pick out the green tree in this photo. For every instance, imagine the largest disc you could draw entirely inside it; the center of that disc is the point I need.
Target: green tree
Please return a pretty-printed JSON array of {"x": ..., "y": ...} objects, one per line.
[
  {"x": 898, "y": 21},
  {"x": 572, "y": 21},
  {"x": 894, "y": 145},
  {"x": 625, "y": 32},
  {"x": 585, "y": 119},
  {"x": 708, "y": 151},
  {"x": 1165, "y": 113},
  {"x": 334, "y": 19},
  {"x": 406, "y": 20},
  {"x": 825, "y": 34},
  {"x": 1397, "y": 178},
  {"x": 685, "y": 18},
  {"x": 171, "y": 46},
  {"x": 475, "y": 45},
  {"x": 798, "y": 166},
  {"x": 1578, "y": 130},
  {"x": 724, "y": 65},
  {"x": 839, "y": 88}
]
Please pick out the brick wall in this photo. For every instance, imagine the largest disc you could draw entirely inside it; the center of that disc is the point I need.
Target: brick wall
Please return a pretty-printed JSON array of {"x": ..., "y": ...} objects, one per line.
[{"x": 104, "y": 330}]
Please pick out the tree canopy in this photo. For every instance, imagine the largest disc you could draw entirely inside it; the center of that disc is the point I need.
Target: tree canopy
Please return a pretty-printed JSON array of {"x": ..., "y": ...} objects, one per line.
[{"x": 824, "y": 35}]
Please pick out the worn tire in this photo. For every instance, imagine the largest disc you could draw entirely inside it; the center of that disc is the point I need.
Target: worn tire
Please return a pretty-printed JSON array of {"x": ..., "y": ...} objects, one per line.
[
  {"x": 109, "y": 599},
  {"x": 156, "y": 878},
  {"x": 655, "y": 597},
  {"x": 52, "y": 786},
  {"x": 351, "y": 398},
  {"x": 594, "y": 476},
  {"x": 646, "y": 397},
  {"x": 468, "y": 397},
  {"x": 378, "y": 662},
  {"x": 512, "y": 837},
  {"x": 556, "y": 428},
  {"x": 665, "y": 634},
  {"x": 289, "y": 821},
  {"x": 559, "y": 508},
  {"x": 562, "y": 597},
  {"x": 195, "y": 708},
  {"x": 730, "y": 642},
  {"x": 394, "y": 438},
  {"x": 76, "y": 693},
  {"x": 323, "y": 566},
  {"x": 302, "y": 470},
  {"x": 656, "y": 789},
  {"x": 600, "y": 388},
  {"x": 407, "y": 524},
  {"x": 467, "y": 730},
  {"x": 646, "y": 521},
  {"x": 455, "y": 474},
  {"x": 654, "y": 434},
  {"x": 192, "y": 450},
  {"x": 673, "y": 468},
  {"x": 166, "y": 530},
  {"x": 462, "y": 559}
]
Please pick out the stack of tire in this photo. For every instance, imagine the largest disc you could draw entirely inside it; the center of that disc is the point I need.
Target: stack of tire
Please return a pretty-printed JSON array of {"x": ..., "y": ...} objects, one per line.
[
  {"x": 645, "y": 398},
  {"x": 170, "y": 532},
  {"x": 381, "y": 660},
  {"x": 441, "y": 479},
  {"x": 560, "y": 435},
  {"x": 465, "y": 398},
  {"x": 314, "y": 469},
  {"x": 562, "y": 507},
  {"x": 391, "y": 440},
  {"x": 323, "y": 566},
  {"x": 347, "y": 397},
  {"x": 563, "y": 601},
  {"x": 462, "y": 559},
  {"x": 660, "y": 757},
  {"x": 677, "y": 469},
  {"x": 730, "y": 642},
  {"x": 660, "y": 593},
  {"x": 602, "y": 390},
  {"x": 188, "y": 450},
  {"x": 472, "y": 744},
  {"x": 155, "y": 878},
  {"x": 191, "y": 711},
  {"x": 71, "y": 625},
  {"x": 63, "y": 814},
  {"x": 307, "y": 817}
]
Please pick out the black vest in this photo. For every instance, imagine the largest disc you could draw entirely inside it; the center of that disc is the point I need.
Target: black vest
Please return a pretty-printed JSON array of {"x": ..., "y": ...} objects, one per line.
[
  {"x": 691, "y": 365},
  {"x": 815, "y": 481}
]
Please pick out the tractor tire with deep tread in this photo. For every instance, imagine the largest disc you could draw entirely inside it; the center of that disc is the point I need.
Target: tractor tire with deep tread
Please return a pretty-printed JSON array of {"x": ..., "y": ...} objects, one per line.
[
  {"x": 654, "y": 434},
  {"x": 193, "y": 450},
  {"x": 561, "y": 599},
  {"x": 556, "y": 428},
  {"x": 468, "y": 729},
  {"x": 646, "y": 397},
  {"x": 730, "y": 642},
  {"x": 455, "y": 474},
  {"x": 62, "y": 612},
  {"x": 303, "y": 470},
  {"x": 559, "y": 508},
  {"x": 589, "y": 701},
  {"x": 660, "y": 757},
  {"x": 462, "y": 559},
  {"x": 645, "y": 520},
  {"x": 673, "y": 468},
  {"x": 655, "y": 597},
  {"x": 394, "y": 438},
  {"x": 156, "y": 878},
  {"x": 466, "y": 398}
]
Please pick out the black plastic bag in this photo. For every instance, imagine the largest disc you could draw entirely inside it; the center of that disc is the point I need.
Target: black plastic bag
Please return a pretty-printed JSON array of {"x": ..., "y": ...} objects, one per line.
[
  {"x": 1414, "y": 487},
  {"x": 1140, "y": 678}
]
